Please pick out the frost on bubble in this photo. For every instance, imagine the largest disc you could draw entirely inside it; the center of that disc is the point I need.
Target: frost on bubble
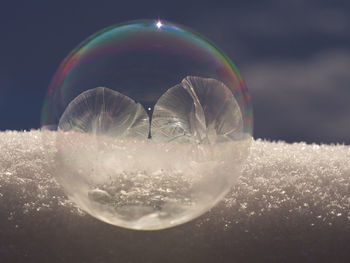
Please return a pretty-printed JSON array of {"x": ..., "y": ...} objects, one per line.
[
  {"x": 102, "y": 111},
  {"x": 201, "y": 110},
  {"x": 110, "y": 169}
]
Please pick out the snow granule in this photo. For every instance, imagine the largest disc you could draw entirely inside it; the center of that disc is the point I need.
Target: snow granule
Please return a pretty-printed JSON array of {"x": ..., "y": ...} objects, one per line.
[{"x": 291, "y": 204}]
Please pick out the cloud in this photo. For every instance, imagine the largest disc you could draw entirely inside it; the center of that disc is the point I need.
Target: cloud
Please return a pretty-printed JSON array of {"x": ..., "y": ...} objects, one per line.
[
  {"x": 302, "y": 99},
  {"x": 253, "y": 30}
]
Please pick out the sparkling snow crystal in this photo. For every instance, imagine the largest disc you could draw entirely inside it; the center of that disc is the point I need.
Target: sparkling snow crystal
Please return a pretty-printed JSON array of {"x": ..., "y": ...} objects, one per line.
[{"x": 291, "y": 204}]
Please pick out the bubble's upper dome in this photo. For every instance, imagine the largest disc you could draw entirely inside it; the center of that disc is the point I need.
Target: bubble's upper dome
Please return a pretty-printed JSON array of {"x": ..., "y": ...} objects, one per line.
[{"x": 141, "y": 59}]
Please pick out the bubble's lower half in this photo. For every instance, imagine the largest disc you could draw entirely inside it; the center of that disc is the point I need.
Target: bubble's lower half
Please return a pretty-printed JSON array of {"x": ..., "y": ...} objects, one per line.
[{"x": 142, "y": 184}]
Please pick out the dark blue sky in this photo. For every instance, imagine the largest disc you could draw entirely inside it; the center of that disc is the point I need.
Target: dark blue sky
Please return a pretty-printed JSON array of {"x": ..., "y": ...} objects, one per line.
[{"x": 293, "y": 55}]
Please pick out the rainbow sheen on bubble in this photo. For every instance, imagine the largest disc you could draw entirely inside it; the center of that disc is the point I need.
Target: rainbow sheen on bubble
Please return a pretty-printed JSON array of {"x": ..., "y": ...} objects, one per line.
[{"x": 153, "y": 124}]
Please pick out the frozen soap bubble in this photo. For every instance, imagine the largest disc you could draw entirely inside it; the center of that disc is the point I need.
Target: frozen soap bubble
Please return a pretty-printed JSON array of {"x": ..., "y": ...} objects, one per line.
[
  {"x": 105, "y": 112},
  {"x": 153, "y": 124}
]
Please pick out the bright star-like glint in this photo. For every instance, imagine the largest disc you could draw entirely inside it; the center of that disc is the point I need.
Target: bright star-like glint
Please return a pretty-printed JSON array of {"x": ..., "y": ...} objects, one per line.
[{"x": 159, "y": 24}]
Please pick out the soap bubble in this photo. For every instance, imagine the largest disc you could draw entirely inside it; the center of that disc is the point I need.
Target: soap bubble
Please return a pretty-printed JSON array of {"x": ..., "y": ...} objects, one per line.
[{"x": 153, "y": 124}]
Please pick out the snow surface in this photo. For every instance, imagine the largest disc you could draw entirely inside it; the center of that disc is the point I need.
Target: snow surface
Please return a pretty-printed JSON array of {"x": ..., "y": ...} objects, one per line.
[{"x": 291, "y": 204}]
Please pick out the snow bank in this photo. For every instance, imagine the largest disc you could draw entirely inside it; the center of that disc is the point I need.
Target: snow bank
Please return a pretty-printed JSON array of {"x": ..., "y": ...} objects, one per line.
[{"x": 292, "y": 204}]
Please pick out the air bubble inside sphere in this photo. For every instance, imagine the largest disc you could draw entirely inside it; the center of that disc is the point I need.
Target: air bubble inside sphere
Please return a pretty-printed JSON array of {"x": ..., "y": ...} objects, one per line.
[{"x": 152, "y": 124}]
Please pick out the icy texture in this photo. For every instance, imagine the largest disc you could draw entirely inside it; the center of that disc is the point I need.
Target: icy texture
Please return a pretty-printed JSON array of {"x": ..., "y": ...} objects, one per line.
[
  {"x": 105, "y": 111},
  {"x": 111, "y": 170},
  {"x": 197, "y": 110},
  {"x": 291, "y": 204},
  {"x": 142, "y": 184}
]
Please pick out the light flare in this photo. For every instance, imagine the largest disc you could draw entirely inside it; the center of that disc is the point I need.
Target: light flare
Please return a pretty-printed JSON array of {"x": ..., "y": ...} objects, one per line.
[{"x": 159, "y": 24}]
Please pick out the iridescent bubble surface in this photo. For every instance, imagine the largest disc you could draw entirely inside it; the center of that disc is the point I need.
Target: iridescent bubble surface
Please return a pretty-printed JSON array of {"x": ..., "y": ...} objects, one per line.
[{"x": 153, "y": 123}]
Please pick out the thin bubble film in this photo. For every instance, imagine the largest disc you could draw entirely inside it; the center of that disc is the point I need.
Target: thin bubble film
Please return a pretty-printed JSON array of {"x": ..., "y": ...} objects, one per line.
[
  {"x": 197, "y": 110},
  {"x": 105, "y": 111},
  {"x": 141, "y": 60},
  {"x": 291, "y": 204},
  {"x": 115, "y": 102}
]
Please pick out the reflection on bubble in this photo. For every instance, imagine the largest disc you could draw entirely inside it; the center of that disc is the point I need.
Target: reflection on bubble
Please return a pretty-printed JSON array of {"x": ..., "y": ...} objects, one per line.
[{"x": 153, "y": 125}]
